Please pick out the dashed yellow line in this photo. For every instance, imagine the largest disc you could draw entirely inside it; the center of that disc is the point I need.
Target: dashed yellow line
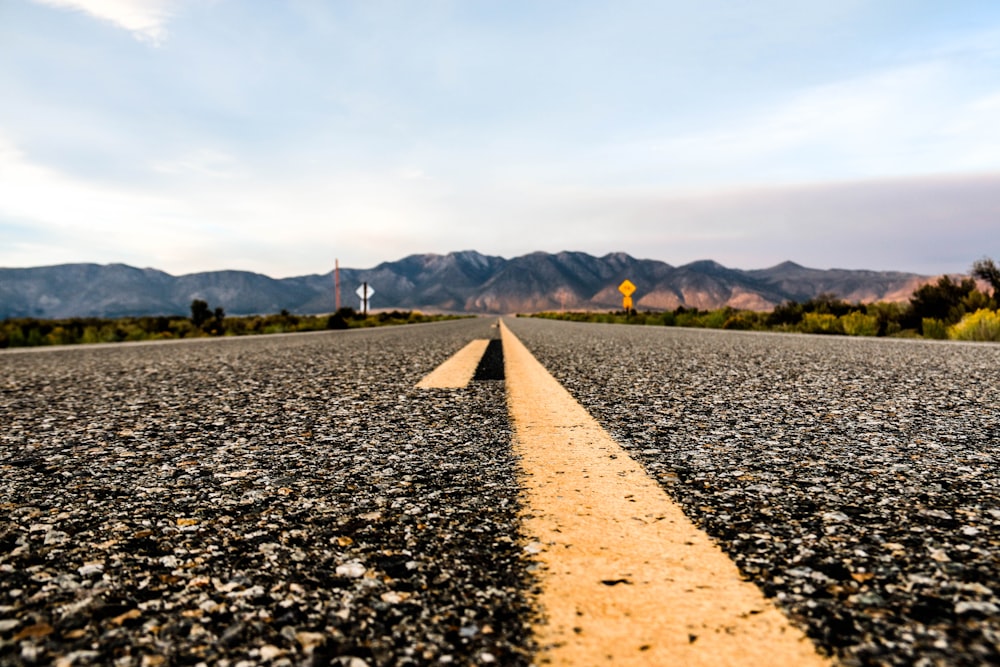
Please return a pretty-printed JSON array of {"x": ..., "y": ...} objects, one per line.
[
  {"x": 626, "y": 578},
  {"x": 458, "y": 370}
]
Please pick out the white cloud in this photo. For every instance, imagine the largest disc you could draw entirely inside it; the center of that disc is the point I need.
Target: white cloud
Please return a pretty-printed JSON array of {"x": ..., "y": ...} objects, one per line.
[
  {"x": 32, "y": 191},
  {"x": 207, "y": 211},
  {"x": 202, "y": 163},
  {"x": 922, "y": 118},
  {"x": 145, "y": 19},
  {"x": 294, "y": 224},
  {"x": 977, "y": 119},
  {"x": 876, "y": 125},
  {"x": 978, "y": 45},
  {"x": 85, "y": 217}
]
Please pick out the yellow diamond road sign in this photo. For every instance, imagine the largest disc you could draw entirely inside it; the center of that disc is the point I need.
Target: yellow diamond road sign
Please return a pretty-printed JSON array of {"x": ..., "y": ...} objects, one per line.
[{"x": 627, "y": 288}]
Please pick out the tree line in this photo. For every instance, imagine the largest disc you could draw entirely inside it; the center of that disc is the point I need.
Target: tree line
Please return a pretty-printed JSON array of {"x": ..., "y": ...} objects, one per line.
[
  {"x": 204, "y": 321},
  {"x": 946, "y": 308}
]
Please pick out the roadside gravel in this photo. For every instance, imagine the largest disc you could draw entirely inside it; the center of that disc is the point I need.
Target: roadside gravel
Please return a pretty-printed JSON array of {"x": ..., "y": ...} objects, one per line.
[
  {"x": 277, "y": 500},
  {"x": 854, "y": 480}
]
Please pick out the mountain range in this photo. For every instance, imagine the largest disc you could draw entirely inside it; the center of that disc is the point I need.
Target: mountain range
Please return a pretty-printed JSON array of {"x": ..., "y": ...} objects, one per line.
[{"x": 465, "y": 281}]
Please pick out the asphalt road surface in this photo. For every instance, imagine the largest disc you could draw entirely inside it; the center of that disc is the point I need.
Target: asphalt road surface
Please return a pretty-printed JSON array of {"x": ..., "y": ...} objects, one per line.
[
  {"x": 296, "y": 500},
  {"x": 855, "y": 480},
  {"x": 280, "y": 499}
]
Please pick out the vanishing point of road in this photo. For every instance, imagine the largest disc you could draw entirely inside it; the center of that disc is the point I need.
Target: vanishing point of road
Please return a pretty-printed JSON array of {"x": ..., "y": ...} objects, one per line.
[{"x": 595, "y": 494}]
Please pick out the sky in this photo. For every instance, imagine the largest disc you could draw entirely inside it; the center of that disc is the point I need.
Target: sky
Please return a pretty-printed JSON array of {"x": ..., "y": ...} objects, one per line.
[{"x": 278, "y": 136}]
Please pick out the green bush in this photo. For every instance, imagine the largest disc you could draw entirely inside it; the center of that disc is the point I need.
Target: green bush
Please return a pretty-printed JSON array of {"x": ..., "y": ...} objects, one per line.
[
  {"x": 27, "y": 332},
  {"x": 667, "y": 319},
  {"x": 945, "y": 300},
  {"x": 931, "y": 327},
  {"x": 687, "y": 318},
  {"x": 746, "y": 320},
  {"x": 716, "y": 319},
  {"x": 859, "y": 324},
  {"x": 820, "y": 323},
  {"x": 982, "y": 325},
  {"x": 60, "y": 336},
  {"x": 888, "y": 315}
]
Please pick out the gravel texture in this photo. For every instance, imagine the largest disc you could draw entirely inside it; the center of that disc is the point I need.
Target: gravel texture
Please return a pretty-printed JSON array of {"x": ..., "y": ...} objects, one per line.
[
  {"x": 277, "y": 500},
  {"x": 294, "y": 500},
  {"x": 854, "y": 480}
]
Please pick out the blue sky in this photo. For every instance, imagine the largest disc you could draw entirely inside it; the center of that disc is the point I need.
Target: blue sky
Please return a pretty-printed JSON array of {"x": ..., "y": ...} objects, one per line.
[{"x": 193, "y": 135}]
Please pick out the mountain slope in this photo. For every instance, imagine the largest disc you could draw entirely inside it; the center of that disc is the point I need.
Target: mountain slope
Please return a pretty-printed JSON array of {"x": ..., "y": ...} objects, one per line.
[
  {"x": 800, "y": 283},
  {"x": 457, "y": 282}
]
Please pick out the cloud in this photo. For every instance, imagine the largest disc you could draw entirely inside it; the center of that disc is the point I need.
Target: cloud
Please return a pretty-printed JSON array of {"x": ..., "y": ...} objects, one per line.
[
  {"x": 208, "y": 210},
  {"x": 205, "y": 210},
  {"x": 283, "y": 228},
  {"x": 200, "y": 163},
  {"x": 930, "y": 224},
  {"x": 932, "y": 115},
  {"x": 26, "y": 191},
  {"x": 73, "y": 216},
  {"x": 145, "y": 19},
  {"x": 869, "y": 126}
]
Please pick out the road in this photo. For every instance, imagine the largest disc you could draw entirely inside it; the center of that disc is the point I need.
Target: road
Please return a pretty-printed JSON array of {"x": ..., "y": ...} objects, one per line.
[
  {"x": 295, "y": 499},
  {"x": 855, "y": 480},
  {"x": 260, "y": 499}
]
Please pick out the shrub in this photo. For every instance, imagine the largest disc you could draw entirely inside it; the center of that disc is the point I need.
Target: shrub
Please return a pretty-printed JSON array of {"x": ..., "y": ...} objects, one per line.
[
  {"x": 787, "y": 313},
  {"x": 667, "y": 319},
  {"x": 715, "y": 319},
  {"x": 859, "y": 324},
  {"x": 60, "y": 336},
  {"x": 200, "y": 312},
  {"x": 820, "y": 323},
  {"x": 943, "y": 300},
  {"x": 888, "y": 315},
  {"x": 687, "y": 318},
  {"x": 336, "y": 321},
  {"x": 827, "y": 304},
  {"x": 743, "y": 321},
  {"x": 933, "y": 328},
  {"x": 987, "y": 270},
  {"x": 982, "y": 325},
  {"x": 905, "y": 333},
  {"x": 15, "y": 336}
]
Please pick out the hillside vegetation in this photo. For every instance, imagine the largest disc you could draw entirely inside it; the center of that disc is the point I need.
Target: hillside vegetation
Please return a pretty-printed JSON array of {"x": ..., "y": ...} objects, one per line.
[
  {"x": 204, "y": 322},
  {"x": 948, "y": 308}
]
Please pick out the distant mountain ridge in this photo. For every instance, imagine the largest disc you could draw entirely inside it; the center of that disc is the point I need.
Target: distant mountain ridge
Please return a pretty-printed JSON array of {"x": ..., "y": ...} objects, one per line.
[{"x": 457, "y": 282}]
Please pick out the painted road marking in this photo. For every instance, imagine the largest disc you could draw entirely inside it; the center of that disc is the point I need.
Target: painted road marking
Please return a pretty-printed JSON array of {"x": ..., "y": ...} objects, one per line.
[
  {"x": 457, "y": 371},
  {"x": 626, "y": 577}
]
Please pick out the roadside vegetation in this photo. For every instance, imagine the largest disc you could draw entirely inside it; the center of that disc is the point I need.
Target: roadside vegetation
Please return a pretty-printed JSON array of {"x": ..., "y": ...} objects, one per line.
[
  {"x": 947, "y": 308},
  {"x": 203, "y": 322}
]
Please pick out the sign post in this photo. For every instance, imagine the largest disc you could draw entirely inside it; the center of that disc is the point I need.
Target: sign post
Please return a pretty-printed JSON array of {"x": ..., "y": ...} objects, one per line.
[
  {"x": 364, "y": 293},
  {"x": 627, "y": 289}
]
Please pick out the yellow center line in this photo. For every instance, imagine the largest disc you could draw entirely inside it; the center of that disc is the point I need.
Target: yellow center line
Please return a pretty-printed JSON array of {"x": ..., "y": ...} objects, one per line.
[
  {"x": 626, "y": 578},
  {"x": 457, "y": 371}
]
